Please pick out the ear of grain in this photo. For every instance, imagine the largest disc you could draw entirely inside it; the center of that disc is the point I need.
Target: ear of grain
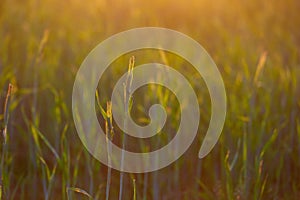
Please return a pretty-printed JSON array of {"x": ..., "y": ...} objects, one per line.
[
  {"x": 79, "y": 191},
  {"x": 134, "y": 188},
  {"x": 6, "y": 110},
  {"x": 260, "y": 67}
]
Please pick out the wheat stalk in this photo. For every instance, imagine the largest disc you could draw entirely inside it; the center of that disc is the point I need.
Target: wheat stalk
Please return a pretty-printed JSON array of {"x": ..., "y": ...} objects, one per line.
[
  {"x": 127, "y": 103},
  {"x": 109, "y": 136},
  {"x": 4, "y": 135}
]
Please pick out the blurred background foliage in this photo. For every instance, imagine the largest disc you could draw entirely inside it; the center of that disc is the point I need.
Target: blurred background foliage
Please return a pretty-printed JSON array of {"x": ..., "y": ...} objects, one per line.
[{"x": 255, "y": 45}]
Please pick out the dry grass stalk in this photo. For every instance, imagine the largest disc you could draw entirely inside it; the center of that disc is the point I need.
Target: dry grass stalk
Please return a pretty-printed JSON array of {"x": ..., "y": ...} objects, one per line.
[
  {"x": 4, "y": 134},
  {"x": 127, "y": 102},
  {"x": 6, "y": 110},
  {"x": 109, "y": 137}
]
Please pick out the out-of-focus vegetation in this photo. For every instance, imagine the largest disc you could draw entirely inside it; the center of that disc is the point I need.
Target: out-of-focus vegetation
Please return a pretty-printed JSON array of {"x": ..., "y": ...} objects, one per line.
[{"x": 255, "y": 45}]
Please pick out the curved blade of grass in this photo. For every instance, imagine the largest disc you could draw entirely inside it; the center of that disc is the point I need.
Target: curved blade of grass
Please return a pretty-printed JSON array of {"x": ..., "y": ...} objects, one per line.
[
  {"x": 46, "y": 142},
  {"x": 78, "y": 190}
]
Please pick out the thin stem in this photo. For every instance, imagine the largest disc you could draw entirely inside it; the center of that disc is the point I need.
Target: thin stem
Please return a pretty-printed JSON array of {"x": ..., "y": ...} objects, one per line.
[
  {"x": 109, "y": 136},
  {"x": 4, "y": 144},
  {"x": 127, "y": 99}
]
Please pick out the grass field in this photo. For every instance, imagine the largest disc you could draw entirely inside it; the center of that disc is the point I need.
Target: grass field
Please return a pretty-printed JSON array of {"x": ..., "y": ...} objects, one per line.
[{"x": 256, "y": 46}]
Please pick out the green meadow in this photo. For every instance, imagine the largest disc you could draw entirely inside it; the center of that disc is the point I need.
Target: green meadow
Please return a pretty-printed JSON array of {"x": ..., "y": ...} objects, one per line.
[{"x": 256, "y": 46}]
